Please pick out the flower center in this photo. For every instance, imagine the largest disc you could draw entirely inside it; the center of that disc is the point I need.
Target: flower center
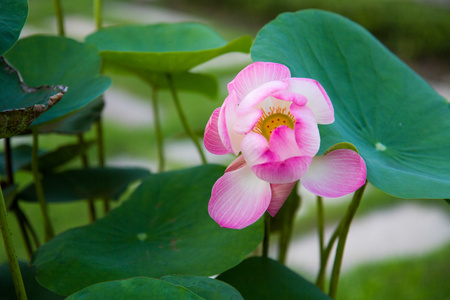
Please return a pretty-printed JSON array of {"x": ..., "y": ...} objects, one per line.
[{"x": 272, "y": 119}]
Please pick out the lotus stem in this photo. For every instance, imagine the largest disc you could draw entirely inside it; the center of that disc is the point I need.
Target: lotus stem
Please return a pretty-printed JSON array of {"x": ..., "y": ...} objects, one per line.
[
  {"x": 11, "y": 251},
  {"x": 320, "y": 228},
  {"x": 158, "y": 132},
  {"x": 59, "y": 17},
  {"x": 266, "y": 240},
  {"x": 183, "y": 119},
  {"x": 98, "y": 13},
  {"x": 342, "y": 239},
  {"x": 48, "y": 228}
]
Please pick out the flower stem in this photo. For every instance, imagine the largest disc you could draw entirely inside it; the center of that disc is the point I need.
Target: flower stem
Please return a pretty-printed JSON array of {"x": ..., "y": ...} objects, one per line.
[
  {"x": 85, "y": 164},
  {"x": 158, "y": 131},
  {"x": 320, "y": 227},
  {"x": 23, "y": 231},
  {"x": 98, "y": 13},
  {"x": 10, "y": 251},
  {"x": 49, "y": 233},
  {"x": 293, "y": 203},
  {"x": 101, "y": 156},
  {"x": 266, "y": 241},
  {"x": 59, "y": 17},
  {"x": 183, "y": 118},
  {"x": 345, "y": 226}
]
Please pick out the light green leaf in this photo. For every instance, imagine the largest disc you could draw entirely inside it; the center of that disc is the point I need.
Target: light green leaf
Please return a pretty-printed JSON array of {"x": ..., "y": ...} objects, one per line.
[
  {"x": 398, "y": 123},
  {"x": 164, "y": 228},
  {"x": 165, "y": 47}
]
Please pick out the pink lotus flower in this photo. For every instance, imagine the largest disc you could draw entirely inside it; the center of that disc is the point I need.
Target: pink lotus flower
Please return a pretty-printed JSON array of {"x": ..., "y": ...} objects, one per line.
[{"x": 272, "y": 120}]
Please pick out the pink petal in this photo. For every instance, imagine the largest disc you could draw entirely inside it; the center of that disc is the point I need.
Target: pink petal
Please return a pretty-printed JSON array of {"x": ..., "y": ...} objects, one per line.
[
  {"x": 255, "y": 149},
  {"x": 255, "y": 75},
  {"x": 280, "y": 192},
  {"x": 281, "y": 163},
  {"x": 239, "y": 199},
  {"x": 227, "y": 118},
  {"x": 291, "y": 169},
  {"x": 238, "y": 163},
  {"x": 212, "y": 140},
  {"x": 318, "y": 100},
  {"x": 260, "y": 93},
  {"x": 335, "y": 174},
  {"x": 306, "y": 130},
  {"x": 246, "y": 121},
  {"x": 290, "y": 96}
]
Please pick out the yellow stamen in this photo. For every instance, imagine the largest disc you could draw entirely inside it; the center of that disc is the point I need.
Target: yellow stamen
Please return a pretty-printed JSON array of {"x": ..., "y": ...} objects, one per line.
[{"x": 271, "y": 120}]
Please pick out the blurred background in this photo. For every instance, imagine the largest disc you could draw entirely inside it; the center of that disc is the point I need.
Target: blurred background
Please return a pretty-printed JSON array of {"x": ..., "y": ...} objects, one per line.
[{"x": 397, "y": 249}]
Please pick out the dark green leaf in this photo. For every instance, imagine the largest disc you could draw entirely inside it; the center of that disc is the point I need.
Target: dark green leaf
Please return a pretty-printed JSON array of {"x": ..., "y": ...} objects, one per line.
[
  {"x": 263, "y": 278},
  {"x": 135, "y": 288},
  {"x": 21, "y": 104},
  {"x": 21, "y": 156},
  {"x": 207, "y": 288},
  {"x": 32, "y": 288},
  {"x": 80, "y": 184},
  {"x": 78, "y": 122},
  {"x": 49, "y": 161},
  {"x": 163, "y": 48},
  {"x": 60, "y": 60},
  {"x": 13, "y": 14},
  {"x": 164, "y": 228},
  {"x": 398, "y": 123}
]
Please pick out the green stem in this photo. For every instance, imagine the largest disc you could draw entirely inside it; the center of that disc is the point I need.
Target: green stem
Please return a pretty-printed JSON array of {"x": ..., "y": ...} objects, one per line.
[
  {"x": 158, "y": 131},
  {"x": 326, "y": 254},
  {"x": 293, "y": 203},
  {"x": 49, "y": 233},
  {"x": 101, "y": 157},
  {"x": 85, "y": 164},
  {"x": 8, "y": 162},
  {"x": 10, "y": 251},
  {"x": 23, "y": 231},
  {"x": 59, "y": 17},
  {"x": 266, "y": 240},
  {"x": 184, "y": 120},
  {"x": 98, "y": 13},
  {"x": 342, "y": 239},
  {"x": 320, "y": 227}
]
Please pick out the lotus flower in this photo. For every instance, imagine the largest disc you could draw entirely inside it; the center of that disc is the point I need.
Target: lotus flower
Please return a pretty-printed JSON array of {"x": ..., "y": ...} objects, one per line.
[{"x": 270, "y": 121}]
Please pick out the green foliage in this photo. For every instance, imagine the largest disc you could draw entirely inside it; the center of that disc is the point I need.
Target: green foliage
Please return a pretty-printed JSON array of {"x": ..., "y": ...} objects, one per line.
[
  {"x": 164, "y": 228},
  {"x": 377, "y": 100},
  {"x": 58, "y": 60},
  {"x": 13, "y": 15},
  {"x": 135, "y": 288},
  {"x": 21, "y": 104},
  {"x": 262, "y": 278},
  {"x": 80, "y": 184}
]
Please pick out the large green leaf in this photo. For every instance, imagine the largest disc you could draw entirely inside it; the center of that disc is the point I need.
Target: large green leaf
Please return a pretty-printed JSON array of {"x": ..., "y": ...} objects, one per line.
[
  {"x": 59, "y": 60},
  {"x": 13, "y": 14},
  {"x": 80, "y": 184},
  {"x": 163, "y": 48},
  {"x": 139, "y": 288},
  {"x": 21, "y": 104},
  {"x": 153, "y": 51},
  {"x": 205, "y": 287},
  {"x": 398, "y": 123},
  {"x": 164, "y": 228},
  {"x": 263, "y": 278}
]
